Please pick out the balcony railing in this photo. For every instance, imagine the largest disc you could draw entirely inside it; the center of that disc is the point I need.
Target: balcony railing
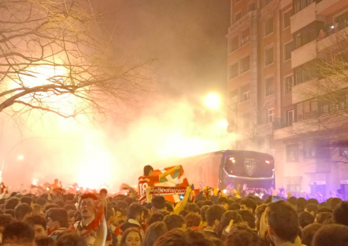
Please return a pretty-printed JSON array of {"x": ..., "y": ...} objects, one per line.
[{"x": 245, "y": 19}]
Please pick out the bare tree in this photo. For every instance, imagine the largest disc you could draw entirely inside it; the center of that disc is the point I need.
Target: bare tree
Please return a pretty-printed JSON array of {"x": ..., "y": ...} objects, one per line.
[{"x": 54, "y": 58}]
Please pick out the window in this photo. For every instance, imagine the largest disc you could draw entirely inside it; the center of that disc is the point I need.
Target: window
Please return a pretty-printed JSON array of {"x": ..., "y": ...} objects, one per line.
[
  {"x": 288, "y": 84},
  {"x": 290, "y": 117},
  {"x": 233, "y": 70},
  {"x": 245, "y": 93},
  {"x": 234, "y": 44},
  {"x": 245, "y": 36},
  {"x": 269, "y": 56},
  {"x": 342, "y": 21},
  {"x": 268, "y": 26},
  {"x": 238, "y": 16},
  {"x": 245, "y": 64},
  {"x": 233, "y": 97},
  {"x": 305, "y": 72},
  {"x": 287, "y": 50},
  {"x": 269, "y": 86},
  {"x": 251, "y": 6},
  {"x": 307, "y": 109},
  {"x": 292, "y": 153},
  {"x": 270, "y": 115},
  {"x": 317, "y": 148},
  {"x": 286, "y": 20},
  {"x": 308, "y": 33},
  {"x": 301, "y": 4}
]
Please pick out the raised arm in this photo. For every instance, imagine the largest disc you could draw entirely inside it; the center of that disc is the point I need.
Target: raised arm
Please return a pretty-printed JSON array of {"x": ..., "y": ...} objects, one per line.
[{"x": 165, "y": 174}]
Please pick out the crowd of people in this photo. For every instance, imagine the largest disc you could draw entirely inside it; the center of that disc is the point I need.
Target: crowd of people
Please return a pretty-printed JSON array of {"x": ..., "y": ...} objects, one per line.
[{"x": 208, "y": 219}]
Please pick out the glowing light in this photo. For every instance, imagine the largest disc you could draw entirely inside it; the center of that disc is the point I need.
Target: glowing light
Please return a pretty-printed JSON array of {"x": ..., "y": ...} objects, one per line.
[
  {"x": 20, "y": 157},
  {"x": 212, "y": 100},
  {"x": 222, "y": 123},
  {"x": 224, "y": 191},
  {"x": 268, "y": 162}
]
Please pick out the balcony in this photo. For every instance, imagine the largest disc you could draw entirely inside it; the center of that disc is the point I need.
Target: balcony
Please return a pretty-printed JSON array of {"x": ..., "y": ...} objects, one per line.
[
  {"x": 329, "y": 7},
  {"x": 303, "y": 18},
  {"x": 304, "y": 54},
  {"x": 334, "y": 39},
  {"x": 242, "y": 22}
]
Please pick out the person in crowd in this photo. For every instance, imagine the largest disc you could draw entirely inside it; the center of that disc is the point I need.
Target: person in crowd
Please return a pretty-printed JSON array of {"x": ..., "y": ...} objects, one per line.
[
  {"x": 148, "y": 180},
  {"x": 300, "y": 205},
  {"x": 27, "y": 199},
  {"x": 223, "y": 202},
  {"x": 331, "y": 235},
  {"x": 180, "y": 237},
  {"x": 22, "y": 211},
  {"x": 71, "y": 217},
  {"x": 153, "y": 232},
  {"x": 37, "y": 209},
  {"x": 248, "y": 219},
  {"x": 57, "y": 222},
  {"x": 131, "y": 237},
  {"x": 18, "y": 233},
  {"x": 293, "y": 201},
  {"x": 5, "y": 220},
  {"x": 174, "y": 221},
  {"x": 305, "y": 219},
  {"x": 334, "y": 202},
  {"x": 226, "y": 219},
  {"x": 312, "y": 209},
  {"x": 258, "y": 213},
  {"x": 92, "y": 225},
  {"x": 283, "y": 224},
  {"x": 193, "y": 208},
  {"x": 156, "y": 217},
  {"x": 158, "y": 204},
  {"x": 72, "y": 239},
  {"x": 38, "y": 224},
  {"x": 243, "y": 237},
  {"x": 204, "y": 220},
  {"x": 193, "y": 220},
  {"x": 213, "y": 216},
  {"x": 248, "y": 204},
  {"x": 308, "y": 233},
  {"x": 322, "y": 217},
  {"x": 45, "y": 241},
  {"x": 234, "y": 207},
  {"x": 11, "y": 203},
  {"x": 340, "y": 214}
]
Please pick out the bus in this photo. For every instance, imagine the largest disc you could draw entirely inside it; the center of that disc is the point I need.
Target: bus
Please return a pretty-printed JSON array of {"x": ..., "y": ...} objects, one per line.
[{"x": 224, "y": 168}]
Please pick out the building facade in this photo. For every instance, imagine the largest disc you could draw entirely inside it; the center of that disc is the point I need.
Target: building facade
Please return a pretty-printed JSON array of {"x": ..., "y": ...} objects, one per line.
[{"x": 280, "y": 100}]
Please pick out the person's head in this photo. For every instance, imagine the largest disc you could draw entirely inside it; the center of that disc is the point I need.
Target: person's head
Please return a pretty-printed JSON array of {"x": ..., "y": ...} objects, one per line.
[
  {"x": 335, "y": 202},
  {"x": 156, "y": 217},
  {"x": 131, "y": 237},
  {"x": 245, "y": 237},
  {"x": 258, "y": 213},
  {"x": 69, "y": 207},
  {"x": 109, "y": 215},
  {"x": 41, "y": 201},
  {"x": 22, "y": 211},
  {"x": 56, "y": 218},
  {"x": 87, "y": 205},
  {"x": 174, "y": 221},
  {"x": 301, "y": 203},
  {"x": 292, "y": 200},
  {"x": 103, "y": 192},
  {"x": 148, "y": 170},
  {"x": 153, "y": 232},
  {"x": 230, "y": 215},
  {"x": 248, "y": 204},
  {"x": 158, "y": 204},
  {"x": 136, "y": 212},
  {"x": 312, "y": 209},
  {"x": 308, "y": 233},
  {"x": 18, "y": 233},
  {"x": 234, "y": 207},
  {"x": 49, "y": 206},
  {"x": 37, "y": 209},
  {"x": 223, "y": 202},
  {"x": 282, "y": 221},
  {"x": 192, "y": 220},
  {"x": 312, "y": 201},
  {"x": 118, "y": 216},
  {"x": 331, "y": 235},
  {"x": 203, "y": 211},
  {"x": 193, "y": 208},
  {"x": 183, "y": 238},
  {"x": 248, "y": 218},
  {"x": 45, "y": 241},
  {"x": 322, "y": 217},
  {"x": 340, "y": 214},
  {"x": 305, "y": 219},
  {"x": 12, "y": 203},
  {"x": 71, "y": 217},
  {"x": 26, "y": 199},
  {"x": 38, "y": 224},
  {"x": 213, "y": 215},
  {"x": 10, "y": 212},
  {"x": 71, "y": 239}
]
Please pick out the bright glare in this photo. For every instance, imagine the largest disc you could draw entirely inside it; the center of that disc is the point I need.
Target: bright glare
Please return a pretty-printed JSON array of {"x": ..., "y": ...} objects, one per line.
[
  {"x": 222, "y": 123},
  {"x": 20, "y": 157},
  {"x": 212, "y": 100}
]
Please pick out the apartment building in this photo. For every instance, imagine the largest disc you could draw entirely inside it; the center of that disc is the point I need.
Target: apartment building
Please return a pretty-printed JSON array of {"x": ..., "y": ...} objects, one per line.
[{"x": 275, "y": 92}]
